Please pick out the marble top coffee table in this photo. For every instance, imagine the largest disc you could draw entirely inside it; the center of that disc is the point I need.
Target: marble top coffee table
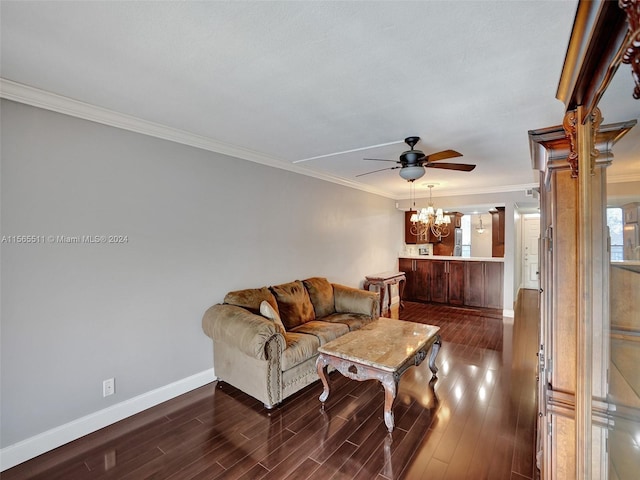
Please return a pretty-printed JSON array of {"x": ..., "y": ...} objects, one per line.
[{"x": 383, "y": 351}]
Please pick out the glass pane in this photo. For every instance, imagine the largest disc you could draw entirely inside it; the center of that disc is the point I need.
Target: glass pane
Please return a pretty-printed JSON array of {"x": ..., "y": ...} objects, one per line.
[
  {"x": 615, "y": 224},
  {"x": 466, "y": 235}
]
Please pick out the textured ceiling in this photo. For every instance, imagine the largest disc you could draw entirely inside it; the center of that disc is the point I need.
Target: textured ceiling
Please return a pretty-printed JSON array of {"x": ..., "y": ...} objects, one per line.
[{"x": 293, "y": 80}]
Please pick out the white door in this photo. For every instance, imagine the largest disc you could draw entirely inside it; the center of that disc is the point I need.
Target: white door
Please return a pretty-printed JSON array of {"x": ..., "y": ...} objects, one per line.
[{"x": 530, "y": 267}]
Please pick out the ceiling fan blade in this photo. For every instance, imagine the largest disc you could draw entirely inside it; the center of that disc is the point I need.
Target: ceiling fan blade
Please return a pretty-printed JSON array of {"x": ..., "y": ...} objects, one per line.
[
  {"x": 379, "y": 160},
  {"x": 463, "y": 167},
  {"x": 375, "y": 171},
  {"x": 443, "y": 155}
]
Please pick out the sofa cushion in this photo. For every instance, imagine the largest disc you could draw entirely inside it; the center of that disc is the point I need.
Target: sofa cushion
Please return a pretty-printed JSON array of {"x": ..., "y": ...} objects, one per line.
[
  {"x": 267, "y": 311},
  {"x": 300, "y": 347},
  {"x": 294, "y": 304},
  {"x": 321, "y": 295},
  {"x": 354, "y": 321},
  {"x": 325, "y": 331},
  {"x": 251, "y": 298}
]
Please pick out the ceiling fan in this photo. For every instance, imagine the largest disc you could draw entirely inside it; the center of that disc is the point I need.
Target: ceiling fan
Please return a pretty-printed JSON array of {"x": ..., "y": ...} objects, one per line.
[{"x": 412, "y": 162}]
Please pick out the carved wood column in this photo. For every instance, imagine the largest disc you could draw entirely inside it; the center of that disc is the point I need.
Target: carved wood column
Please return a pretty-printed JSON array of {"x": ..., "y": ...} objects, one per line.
[
  {"x": 583, "y": 157},
  {"x": 574, "y": 352}
]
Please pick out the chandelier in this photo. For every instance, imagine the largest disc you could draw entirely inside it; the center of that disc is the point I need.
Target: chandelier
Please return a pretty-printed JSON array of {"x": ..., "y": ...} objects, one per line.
[{"x": 429, "y": 219}]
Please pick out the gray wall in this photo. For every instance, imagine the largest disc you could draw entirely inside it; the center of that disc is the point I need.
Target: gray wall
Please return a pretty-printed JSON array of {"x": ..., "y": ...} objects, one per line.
[{"x": 198, "y": 225}]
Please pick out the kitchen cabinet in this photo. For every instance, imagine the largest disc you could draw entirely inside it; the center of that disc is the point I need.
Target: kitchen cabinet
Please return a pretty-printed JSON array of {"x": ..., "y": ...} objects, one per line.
[
  {"x": 456, "y": 219},
  {"x": 493, "y": 284},
  {"x": 437, "y": 281},
  {"x": 417, "y": 284},
  {"x": 443, "y": 246},
  {"x": 406, "y": 265},
  {"x": 410, "y": 238},
  {"x": 497, "y": 232},
  {"x": 456, "y": 282},
  {"x": 434, "y": 280},
  {"x": 483, "y": 284}
]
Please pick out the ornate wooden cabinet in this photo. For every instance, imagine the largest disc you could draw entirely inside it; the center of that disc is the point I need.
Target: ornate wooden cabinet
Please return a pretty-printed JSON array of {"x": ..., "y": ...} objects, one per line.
[
  {"x": 574, "y": 357},
  {"x": 574, "y": 265}
]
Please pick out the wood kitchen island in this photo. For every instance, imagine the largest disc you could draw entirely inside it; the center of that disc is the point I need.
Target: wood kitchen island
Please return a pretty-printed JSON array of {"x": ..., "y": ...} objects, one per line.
[{"x": 458, "y": 281}]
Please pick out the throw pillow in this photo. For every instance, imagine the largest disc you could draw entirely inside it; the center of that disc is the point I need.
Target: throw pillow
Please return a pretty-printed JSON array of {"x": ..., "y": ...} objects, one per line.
[
  {"x": 294, "y": 305},
  {"x": 250, "y": 298},
  {"x": 267, "y": 311},
  {"x": 321, "y": 294}
]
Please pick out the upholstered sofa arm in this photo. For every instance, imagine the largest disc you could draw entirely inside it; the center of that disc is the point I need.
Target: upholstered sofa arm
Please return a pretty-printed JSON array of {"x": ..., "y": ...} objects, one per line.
[
  {"x": 240, "y": 328},
  {"x": 353, "y": 300}
]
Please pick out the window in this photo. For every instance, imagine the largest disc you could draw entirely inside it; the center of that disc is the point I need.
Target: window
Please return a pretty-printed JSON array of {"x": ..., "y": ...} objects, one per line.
[
  {"x": 615, "y": 224},
  {"x": 466, "y": 235}
]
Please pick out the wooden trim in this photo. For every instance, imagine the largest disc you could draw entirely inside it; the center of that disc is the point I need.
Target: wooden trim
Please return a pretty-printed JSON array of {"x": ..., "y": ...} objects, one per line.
[
  {"x": 564, "y": 405},
  {"x": 585, "y": 270},
  {"x": 550, "y": 147},
  {"x": 594, "y": 53},
  {"x": 631, "y": 55},
  {"x": 43, "y": 442}
]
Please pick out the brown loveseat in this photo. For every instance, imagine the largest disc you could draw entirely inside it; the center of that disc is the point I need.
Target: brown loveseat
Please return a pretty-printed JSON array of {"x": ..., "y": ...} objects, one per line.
[{"x": 255, "y": 354}]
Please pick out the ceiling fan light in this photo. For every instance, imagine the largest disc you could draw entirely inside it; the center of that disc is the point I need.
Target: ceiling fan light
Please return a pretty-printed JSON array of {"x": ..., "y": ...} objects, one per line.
[{"x": 413, "y": 172}]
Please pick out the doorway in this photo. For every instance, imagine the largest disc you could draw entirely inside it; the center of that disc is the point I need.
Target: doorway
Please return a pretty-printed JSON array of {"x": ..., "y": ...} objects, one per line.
[{"x": 530, "y": 241}]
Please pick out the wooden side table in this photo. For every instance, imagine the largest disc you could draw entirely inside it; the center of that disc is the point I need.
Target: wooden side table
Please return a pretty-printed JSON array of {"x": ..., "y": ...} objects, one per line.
[{"x": 383, "y": 281}]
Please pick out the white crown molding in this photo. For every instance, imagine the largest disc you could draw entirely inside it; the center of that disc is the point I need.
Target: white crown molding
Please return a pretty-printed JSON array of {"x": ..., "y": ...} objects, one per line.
[
  {"x": 477, "y": 191},
  {"x": 623, "y": 178},
  {"x": 35, "y": 97},
  {"x": 37, "y": 445}
]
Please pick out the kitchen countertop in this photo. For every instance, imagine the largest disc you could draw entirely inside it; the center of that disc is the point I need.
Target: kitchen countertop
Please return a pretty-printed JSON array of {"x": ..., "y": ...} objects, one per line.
[{"x": 444, "y": 257}]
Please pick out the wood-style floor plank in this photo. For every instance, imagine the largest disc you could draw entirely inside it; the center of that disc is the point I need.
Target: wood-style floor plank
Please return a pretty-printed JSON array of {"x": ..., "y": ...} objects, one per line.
[{"x": 475, "y": 421}]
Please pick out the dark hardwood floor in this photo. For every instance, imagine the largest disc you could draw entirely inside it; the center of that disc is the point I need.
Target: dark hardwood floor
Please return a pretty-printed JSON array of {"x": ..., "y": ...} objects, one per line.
[{"x": 479, "y": 425}]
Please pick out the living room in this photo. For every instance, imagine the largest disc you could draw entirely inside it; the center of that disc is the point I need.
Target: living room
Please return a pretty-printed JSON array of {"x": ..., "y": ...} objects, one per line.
[{"x": 132, "y": 229}]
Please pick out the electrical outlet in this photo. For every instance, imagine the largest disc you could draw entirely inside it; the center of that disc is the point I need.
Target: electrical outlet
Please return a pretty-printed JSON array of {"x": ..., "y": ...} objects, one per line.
[{"x": 108, "y": 387}]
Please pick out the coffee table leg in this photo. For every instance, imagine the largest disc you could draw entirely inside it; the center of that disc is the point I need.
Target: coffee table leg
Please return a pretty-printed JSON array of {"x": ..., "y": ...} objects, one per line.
[
  {"x": 434, "y": 353},
  {"x": 321, "y": 366},
  {"x": 390, "y": 384}
]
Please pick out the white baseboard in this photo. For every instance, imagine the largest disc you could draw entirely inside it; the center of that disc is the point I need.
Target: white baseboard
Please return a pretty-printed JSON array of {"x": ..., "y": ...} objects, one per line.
[
  {"x": 32, "y": 447},
  {"x": 508, "y": 313}
]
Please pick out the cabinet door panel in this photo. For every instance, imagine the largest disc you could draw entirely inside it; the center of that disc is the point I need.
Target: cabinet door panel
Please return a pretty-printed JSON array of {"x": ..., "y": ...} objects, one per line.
[
  {"x": 474, "y": 284},
  {"x": 439, "y": 285},
  {"x": 493, "y": 284},
  {"x": 456, "y": 282},
  {"x": 423, "y": 282},
  {"x": 406, "y": 265}
]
